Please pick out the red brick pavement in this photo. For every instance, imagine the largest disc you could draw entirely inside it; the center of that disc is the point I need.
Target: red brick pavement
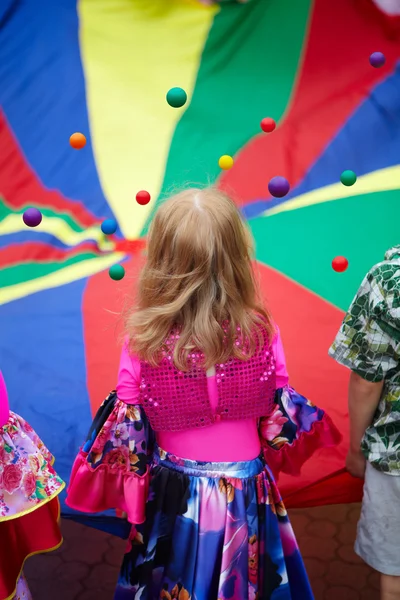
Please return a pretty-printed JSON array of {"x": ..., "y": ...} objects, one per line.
[{"x": 86, "y": 566}]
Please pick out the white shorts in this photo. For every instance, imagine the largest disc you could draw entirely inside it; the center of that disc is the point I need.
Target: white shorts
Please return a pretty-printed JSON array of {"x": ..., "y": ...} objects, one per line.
[{"x": 378, "y": 532}]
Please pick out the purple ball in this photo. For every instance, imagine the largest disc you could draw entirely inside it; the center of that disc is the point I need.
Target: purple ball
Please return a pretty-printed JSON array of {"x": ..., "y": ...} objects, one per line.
[
  {"x": 32, "y": 217},
  {"x": 377, "y": 59},
  {"x": 278, "y": 187}
]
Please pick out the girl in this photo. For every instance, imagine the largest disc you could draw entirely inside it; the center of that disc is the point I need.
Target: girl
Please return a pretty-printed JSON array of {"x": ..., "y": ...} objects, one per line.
[
  {"x": 183, "y": 445},
  {"x": 29, "y": 507}
]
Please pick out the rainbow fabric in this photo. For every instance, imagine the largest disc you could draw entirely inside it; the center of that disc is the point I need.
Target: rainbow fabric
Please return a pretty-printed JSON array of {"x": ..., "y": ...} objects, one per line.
[{"x": 103, "y": 68}]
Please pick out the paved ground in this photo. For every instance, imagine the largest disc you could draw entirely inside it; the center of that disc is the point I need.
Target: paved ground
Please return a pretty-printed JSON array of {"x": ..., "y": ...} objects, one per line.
[{"x": 86, "y": 566}]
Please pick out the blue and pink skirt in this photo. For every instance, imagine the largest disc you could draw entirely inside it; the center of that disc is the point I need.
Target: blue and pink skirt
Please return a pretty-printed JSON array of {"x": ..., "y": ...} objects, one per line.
[
  {"x": 202, "y": 531},
  {"x": 213, "y": 531}
]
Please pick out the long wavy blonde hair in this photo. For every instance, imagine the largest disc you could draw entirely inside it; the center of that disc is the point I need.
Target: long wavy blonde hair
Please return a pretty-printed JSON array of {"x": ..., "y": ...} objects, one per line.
[{"x": 198, "y": 274}]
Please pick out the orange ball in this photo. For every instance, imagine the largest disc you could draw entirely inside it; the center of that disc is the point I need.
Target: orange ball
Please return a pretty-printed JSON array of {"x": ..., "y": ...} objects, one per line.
[{"x": 77, "y": 141}]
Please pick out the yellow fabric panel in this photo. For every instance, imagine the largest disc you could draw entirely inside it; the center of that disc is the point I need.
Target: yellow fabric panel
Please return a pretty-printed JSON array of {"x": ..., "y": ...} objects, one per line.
[
  {"x": 133, "y": 52},
  {"x": 59, "y": 229}
]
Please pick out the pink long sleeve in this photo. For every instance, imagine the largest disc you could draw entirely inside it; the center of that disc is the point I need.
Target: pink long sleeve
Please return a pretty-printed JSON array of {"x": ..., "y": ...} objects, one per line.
[
  {"x": 128, "y": 386},
  {"x": 282, "y": 377},
  {"x": 4, "y": 408}
]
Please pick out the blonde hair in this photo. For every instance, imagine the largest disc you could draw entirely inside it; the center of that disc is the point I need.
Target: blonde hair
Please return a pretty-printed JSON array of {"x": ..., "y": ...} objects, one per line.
[{"x": 198, "y": 274}]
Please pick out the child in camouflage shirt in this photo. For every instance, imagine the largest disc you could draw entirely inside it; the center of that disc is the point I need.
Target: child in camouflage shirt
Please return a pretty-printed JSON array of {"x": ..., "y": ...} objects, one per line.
[{"x": 369, "y": 344}]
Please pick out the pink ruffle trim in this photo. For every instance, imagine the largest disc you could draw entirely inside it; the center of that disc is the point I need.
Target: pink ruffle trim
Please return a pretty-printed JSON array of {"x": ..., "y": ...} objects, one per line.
[
  {"x": 96, "y": 490},
  {"x": 291, "y": 457}
]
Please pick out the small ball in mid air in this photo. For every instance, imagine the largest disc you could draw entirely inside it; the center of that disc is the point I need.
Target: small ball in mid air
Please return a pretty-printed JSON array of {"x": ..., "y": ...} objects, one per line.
[
  {"x": 109, "y": 226},
  {"x": 278, "y": 187},
  {"x": 225, "y": 162},
  {"x": 348, "y": 178},
  {"x": 268, "y": 125},
  {"x": 116, "y": 272},
  {"x": 32, "y": 217},
  {"x": 377, "y": 60},
  {"x": 340, "y": 264},
  {"x": 143, "y": 197},
  {"x": 176, "y": 97},
  {"x": 77, "y": 141}
]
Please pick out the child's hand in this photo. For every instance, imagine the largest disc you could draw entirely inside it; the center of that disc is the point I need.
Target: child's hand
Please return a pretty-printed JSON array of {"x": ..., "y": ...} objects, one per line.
[{"x": 356, "y": 464}]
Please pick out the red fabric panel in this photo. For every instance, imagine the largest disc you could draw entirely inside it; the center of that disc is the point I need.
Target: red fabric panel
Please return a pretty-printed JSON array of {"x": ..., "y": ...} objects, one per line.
[
  {"x": 33, "y": 533},
  {"x": 334, "y": 79},
  {"x": 16, "y": 254},
  {"x": 101, "y": 347},
  {"x": 308, "y": 325}
]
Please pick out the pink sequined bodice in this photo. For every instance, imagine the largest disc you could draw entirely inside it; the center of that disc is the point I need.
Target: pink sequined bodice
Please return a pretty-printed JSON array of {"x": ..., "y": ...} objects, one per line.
[{"x": 176, "y": 400}]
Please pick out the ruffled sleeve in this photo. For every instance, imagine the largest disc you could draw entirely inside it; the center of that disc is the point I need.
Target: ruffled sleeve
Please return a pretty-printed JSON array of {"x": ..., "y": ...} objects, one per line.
[
  {"x": 296, "y": 428},
  {"x": 112, "y": 469},
  {"x": 294, "y": 431}
]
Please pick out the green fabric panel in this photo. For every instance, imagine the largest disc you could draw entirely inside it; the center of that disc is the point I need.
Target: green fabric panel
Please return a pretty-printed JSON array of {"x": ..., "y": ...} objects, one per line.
[
  {"x": 247, "y": 72},
  {"x": 28, "y": 271},
  {"x": 302, "y": 243}
]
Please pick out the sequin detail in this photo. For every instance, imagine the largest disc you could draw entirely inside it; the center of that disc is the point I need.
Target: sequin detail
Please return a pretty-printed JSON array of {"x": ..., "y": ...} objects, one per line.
[{"x": 174, "y": 400}]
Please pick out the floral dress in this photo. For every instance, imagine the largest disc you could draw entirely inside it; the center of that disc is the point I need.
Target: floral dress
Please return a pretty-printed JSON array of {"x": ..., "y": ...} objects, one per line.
[{"x": 29, "y": 507}]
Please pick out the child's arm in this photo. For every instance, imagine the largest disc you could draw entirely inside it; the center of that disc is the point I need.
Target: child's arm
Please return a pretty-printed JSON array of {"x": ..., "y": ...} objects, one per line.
[
  {"x": 112, "y": 469},
  {"x": 364, "y": 398},
  {"x": 367, "y": 344}
]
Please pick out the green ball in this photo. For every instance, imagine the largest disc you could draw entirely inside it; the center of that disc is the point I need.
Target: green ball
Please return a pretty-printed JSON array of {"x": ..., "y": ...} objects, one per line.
[
  {"x": 176, "y": 97},
  {"x": 348, "y": 178},
  {"x": 116, "y": 272}
]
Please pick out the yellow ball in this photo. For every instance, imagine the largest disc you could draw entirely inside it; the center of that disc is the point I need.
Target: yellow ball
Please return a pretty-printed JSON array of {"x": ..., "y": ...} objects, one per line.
[{"x": 226, "y": 162}]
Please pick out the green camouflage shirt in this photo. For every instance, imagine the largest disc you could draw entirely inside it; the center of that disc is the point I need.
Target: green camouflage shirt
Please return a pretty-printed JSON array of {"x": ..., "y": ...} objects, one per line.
[{"x": 368, "y": 343}]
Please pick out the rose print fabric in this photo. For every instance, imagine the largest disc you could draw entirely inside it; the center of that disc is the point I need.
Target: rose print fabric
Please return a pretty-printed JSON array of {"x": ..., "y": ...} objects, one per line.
[
  {"x": 294, "y": 430},
  {"x": 214, "y": 531},
  {"x": 27, "y": 478},
  {"x": 22, "y": 591},
  {"x": 120, "y": 437},
  {"x": 29, "y": 507},
  {"x": 111, "y": 470}
]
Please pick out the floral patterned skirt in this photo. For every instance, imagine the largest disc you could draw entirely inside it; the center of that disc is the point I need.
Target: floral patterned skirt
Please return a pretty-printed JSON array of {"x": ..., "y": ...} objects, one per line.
[
  {"x": 22, "y": 590},
  {"x": 213, "y": 531},
  {"x": 29, "y": 506}
]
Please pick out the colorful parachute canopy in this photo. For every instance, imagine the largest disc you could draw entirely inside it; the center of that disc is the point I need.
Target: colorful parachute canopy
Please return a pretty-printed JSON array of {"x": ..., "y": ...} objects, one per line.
[
  {"x": 103, "y": 69},
  {"x": 211, "y": 2}
]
